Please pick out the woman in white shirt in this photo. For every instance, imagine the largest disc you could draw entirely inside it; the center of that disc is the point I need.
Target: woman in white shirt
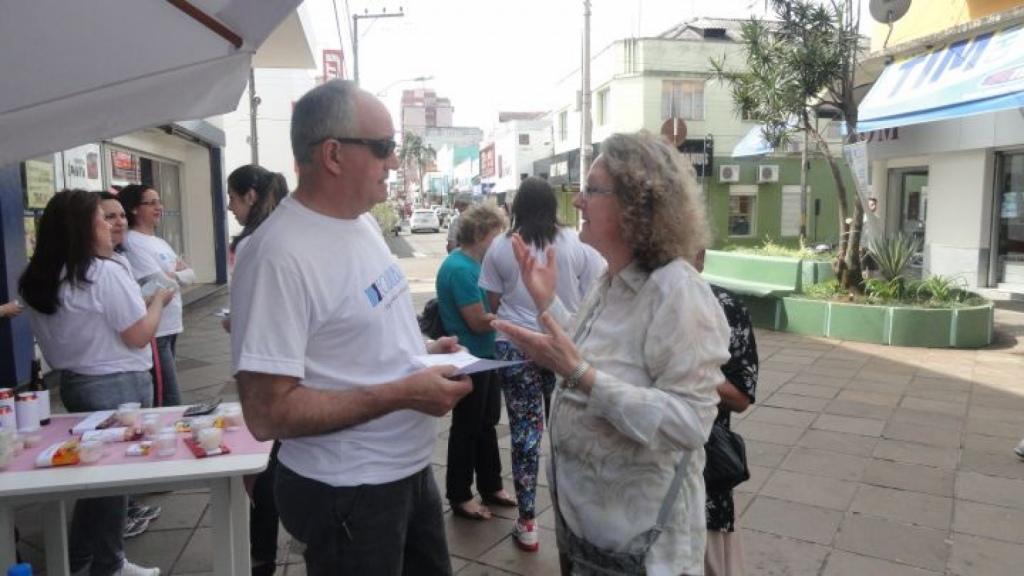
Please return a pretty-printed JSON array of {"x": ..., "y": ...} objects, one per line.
[
  {"x": 150, "y": 255},
  {"x": 94, "y": 329},
  {"x": 253, "y": 193},
  {"x": 638, "y": 367},
  {"x": 527, "y": 387}
]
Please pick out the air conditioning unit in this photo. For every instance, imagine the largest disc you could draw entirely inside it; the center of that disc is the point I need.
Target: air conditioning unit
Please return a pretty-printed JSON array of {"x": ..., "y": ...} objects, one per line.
[
  {"x": 768, "y": 173},
  {"x": 729, "y": 173}
]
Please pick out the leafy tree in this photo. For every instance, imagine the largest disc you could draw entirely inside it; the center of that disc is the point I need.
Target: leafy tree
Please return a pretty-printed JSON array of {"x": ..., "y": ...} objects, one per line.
[
  {"x": 415, "y": 156},
  {"x": 796, "y": 66}
]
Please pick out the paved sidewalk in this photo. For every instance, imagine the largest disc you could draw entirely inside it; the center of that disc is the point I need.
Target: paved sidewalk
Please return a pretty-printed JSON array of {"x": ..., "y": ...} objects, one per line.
[{"x": 865, "y": 460}]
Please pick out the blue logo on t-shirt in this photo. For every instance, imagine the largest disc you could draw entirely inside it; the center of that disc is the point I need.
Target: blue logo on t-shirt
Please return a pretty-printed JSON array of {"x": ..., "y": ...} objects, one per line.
[{"x": 391, "y": 278}]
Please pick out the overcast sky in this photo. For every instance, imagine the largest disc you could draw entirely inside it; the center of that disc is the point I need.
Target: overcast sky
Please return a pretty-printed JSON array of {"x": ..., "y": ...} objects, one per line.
[{"x": 491, "y": 55}]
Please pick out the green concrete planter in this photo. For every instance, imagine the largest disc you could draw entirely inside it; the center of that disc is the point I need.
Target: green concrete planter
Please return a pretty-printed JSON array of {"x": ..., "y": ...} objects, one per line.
[
  {"x": 968, "y": 327},
  {"x": 814, "y": 272},
  {"x": 804, "y": 316},
  {"x": 858, "y": 322}
]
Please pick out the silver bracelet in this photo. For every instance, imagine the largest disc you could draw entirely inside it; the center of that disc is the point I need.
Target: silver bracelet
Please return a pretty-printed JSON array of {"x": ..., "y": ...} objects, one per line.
[{"x": 572, "y": 380}]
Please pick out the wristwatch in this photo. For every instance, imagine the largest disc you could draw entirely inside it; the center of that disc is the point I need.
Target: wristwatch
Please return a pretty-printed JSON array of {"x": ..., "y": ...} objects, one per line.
[{"x": 573, "y": 379}]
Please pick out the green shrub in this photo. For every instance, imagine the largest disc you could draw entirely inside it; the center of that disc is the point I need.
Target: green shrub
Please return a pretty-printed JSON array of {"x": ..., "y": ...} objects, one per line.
[
  {"x": 940, "y": 290},
  {"x": 772, "y": 248},
  {"x": 386, "y": 216},
  {"x": 894, "y": 253},
  {"x": 825, "y": 290}
]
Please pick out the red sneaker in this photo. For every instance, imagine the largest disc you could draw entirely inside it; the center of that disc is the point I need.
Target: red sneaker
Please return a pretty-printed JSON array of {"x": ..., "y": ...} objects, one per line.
[{"x": 526, "y": 535}]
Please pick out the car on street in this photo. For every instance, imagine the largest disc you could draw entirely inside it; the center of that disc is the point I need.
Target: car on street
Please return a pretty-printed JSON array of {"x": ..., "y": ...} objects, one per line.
[{"x": 424, "y": 219}]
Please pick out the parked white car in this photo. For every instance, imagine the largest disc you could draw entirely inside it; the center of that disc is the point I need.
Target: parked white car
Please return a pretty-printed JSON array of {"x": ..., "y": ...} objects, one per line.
[{"x": 424, "y": 220}]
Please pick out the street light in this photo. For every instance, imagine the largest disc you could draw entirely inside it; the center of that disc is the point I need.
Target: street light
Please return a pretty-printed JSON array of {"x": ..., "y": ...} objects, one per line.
[{"x": 384, "y": 92}]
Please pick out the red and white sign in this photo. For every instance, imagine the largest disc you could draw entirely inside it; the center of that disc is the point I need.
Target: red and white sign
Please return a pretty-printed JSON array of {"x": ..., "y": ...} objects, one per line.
[{"x": 334, "y": 65}]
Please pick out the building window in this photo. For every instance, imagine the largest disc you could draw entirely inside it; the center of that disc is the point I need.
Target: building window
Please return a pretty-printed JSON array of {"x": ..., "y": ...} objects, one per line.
[
  {"x": 682, "y": 99},
  {"x": 524, "y": 139},
  {"x": 742, "y": 210},
  {"x": 563, "y": 125},
  {"x": 602, "y": 107}
]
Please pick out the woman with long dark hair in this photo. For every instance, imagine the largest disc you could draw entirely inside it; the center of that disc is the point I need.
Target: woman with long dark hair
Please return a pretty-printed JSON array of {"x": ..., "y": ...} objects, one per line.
[
  {"x": 94, "y": 330},
  {"x": 253, "y": 193},
  {"x": 527, "y": 387},
  {"x": 151, "y": 256}
]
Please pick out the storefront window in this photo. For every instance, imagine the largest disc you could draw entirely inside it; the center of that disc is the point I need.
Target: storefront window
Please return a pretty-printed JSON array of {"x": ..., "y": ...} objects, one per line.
[{"x": 1010, "y": 244}]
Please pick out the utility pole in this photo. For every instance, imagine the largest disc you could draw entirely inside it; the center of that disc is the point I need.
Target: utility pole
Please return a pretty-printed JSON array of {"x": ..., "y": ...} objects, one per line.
[
  {"x": 254, "y": 102},
  {"x": 355, "y": 35},
  {"x": 803, "y": 189},
  {"x": 585, "y": 124}
]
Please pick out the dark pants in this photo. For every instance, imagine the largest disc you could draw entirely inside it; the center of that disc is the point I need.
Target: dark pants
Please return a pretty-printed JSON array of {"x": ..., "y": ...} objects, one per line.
[
  {"x": 166, "y": 347},
  {"x": 96, "y": 537},
  {"x": 473, "y": 441},
  {"x": 263, "y": 518},
  {"x": 382, "y": 529}
]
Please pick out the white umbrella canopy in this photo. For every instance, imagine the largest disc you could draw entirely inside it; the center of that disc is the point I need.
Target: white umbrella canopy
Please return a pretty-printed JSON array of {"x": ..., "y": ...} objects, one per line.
[{"x": 79, "y": 71}]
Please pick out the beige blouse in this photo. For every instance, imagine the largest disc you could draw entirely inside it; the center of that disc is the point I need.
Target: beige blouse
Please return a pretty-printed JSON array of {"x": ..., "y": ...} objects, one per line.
[{"x": 657, "y": 341}]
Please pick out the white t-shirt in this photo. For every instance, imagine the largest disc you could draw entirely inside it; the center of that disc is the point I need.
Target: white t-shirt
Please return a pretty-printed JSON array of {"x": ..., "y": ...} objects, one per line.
[
  {"x": 326, "y": 302},
  {"x": 84, "y": 334},
  {"x": 150, "y": 255},
  {"x": 578, "y": 266}
]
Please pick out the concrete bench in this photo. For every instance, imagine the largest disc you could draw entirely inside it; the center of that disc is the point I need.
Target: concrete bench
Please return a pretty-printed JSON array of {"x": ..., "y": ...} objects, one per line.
[{"x": 751, "y": 275}]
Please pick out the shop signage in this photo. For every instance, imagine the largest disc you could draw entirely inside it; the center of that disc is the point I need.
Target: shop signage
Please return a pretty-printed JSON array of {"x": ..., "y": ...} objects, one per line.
[
  {"x": 39, "y": 184},
  {"x": 334, "y": 65},
  {"x": 124, "y": 166},
  {"x": 82, "y": 167}
]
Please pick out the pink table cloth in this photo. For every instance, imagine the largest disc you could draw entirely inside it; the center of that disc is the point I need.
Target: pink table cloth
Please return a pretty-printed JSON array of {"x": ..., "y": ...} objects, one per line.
[{"x": 239, "y": 441}]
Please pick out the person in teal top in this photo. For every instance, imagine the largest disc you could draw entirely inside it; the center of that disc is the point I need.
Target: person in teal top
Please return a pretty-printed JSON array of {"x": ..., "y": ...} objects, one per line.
[{"x": 473, "y": 440}]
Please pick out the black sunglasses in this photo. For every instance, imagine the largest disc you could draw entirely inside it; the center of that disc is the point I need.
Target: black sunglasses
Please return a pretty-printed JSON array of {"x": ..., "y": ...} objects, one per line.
[{"x": 381, "y": 148}]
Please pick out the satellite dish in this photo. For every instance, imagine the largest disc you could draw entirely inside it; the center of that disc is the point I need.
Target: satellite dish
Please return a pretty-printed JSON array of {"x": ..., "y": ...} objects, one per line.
[{"x": 888, "y": 11}]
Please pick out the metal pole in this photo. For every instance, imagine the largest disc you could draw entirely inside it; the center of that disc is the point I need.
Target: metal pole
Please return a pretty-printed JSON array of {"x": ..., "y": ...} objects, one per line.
[
  {"x": 585, "y": 145},
  {"x": 803, "y": 189},
  {"x": 355, "y": 49},
  {"x": 355, "y": 37},
  {"x": 254, "y": 102}
]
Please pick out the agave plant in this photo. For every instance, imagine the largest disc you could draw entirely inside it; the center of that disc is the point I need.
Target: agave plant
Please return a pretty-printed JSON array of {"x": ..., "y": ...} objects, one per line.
[{"x": 893, "y": 254}]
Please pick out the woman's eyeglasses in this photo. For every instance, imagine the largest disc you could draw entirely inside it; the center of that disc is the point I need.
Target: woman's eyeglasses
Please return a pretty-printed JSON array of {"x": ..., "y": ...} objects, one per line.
[{"x": 381, "y": 147}]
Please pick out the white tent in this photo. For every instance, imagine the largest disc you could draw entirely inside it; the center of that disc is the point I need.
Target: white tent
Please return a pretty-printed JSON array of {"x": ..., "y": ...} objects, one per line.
[{"x": 74, "y": 72}]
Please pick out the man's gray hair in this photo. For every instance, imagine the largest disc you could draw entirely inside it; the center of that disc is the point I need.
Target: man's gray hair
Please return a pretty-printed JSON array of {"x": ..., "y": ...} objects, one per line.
[{"x": 327, "y": 111}]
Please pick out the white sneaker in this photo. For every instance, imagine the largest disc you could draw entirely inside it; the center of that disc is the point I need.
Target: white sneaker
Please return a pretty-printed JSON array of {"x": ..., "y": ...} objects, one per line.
[
  {"x": 1019, "y": 450},
  {"x": 129, "y": 569},
  {"x": 526, "y": 535}
]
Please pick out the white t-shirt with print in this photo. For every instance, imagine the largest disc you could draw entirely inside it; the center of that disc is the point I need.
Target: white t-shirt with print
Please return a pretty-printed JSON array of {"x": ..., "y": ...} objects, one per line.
[
  {"x": 150, "y": 255},
  {"x": 578, "y": 266},
  {"x": 84, "y": 334},
  {"x": 325, "y": 301}
]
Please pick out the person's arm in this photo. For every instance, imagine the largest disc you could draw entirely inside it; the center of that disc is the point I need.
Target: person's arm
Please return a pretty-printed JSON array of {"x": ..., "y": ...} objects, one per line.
[
  {"x": 278, "y": 407},
  {"x": 732, "y": 398},
  {"x": 738, "y": 390},
  {"x": 139, "y": 334},
  {"x": 10, "y": 309},
  {"x": 493, "y": 301},
  {"x": 476, "y": 318}
]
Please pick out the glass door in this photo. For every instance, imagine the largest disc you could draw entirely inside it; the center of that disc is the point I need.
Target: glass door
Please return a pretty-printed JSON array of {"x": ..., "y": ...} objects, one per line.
[
  {"x": 1009, "y": 221},
  {"x": 914, "y": 208}
]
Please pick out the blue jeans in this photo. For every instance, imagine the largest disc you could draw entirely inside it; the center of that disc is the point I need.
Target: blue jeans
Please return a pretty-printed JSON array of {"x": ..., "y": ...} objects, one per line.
[
  {"x": 97, "y": 524},
  {"x": 380, "y": 529},
  {"x": 166, "y": 347}
]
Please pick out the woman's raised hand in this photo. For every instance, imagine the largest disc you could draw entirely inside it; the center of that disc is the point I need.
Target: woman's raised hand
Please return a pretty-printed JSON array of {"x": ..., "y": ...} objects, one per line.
[{"x": 540, "y": 278}]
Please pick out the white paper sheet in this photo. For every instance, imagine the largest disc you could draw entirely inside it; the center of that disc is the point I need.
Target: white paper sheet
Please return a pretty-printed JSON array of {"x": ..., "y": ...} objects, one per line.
[{"x": 465, "y": 362}]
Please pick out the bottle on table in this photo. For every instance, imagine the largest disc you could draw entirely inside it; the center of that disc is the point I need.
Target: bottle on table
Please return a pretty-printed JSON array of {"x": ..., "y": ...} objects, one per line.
[{"x": 42, "y": 394}]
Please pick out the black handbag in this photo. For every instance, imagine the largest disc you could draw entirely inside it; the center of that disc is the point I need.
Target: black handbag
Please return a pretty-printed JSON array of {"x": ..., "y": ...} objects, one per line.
[
  {"x": 726, "y": 465},
  {"x": 430, "y": 320}
]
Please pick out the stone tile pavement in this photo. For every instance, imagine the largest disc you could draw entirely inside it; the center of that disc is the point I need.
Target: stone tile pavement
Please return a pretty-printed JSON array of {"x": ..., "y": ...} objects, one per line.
[{"x": 864, "y": 460}]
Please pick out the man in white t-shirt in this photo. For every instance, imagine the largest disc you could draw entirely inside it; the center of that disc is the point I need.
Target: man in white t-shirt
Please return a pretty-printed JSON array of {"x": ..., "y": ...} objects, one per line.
[{"x": 323, "y": 336}]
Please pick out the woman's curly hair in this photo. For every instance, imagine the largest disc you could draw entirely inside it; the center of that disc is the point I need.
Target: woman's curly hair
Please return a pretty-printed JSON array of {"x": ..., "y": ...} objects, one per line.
[{"x": 663, "y": 217}]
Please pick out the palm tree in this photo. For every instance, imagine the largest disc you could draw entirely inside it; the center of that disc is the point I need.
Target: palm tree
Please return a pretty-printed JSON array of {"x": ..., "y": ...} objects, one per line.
[
  {"x": 794, "y": 67},
  {"x": 414, "y": 157}
]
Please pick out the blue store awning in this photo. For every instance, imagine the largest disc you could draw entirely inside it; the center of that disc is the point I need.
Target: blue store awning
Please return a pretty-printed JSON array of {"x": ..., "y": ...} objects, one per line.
[{"x": 971, "y": 76}]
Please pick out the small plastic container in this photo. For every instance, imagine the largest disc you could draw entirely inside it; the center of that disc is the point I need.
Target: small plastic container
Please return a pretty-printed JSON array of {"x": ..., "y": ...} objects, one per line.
[
  {"x": 198, "y": 424},
  {"x": 166, "y": 442},
  {"x": 90, "y": 451},
  {"x": 129, "y": 414},
  {"x": 151, "y": 425},
  {"x": 232, "y": 414},
  {"x": 209, "y": 438}
]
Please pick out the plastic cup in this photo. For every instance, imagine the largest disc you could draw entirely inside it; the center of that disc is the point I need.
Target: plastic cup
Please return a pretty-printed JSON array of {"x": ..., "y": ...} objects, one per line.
[
  {"x": 129, "y": 413},
  {"x": 90, "y": 451},
  {"x": 199, "y": 424},
  {"x": 166, "y": 442},
  {"x": 151, "y": 425},
  {"x": 209, "y": 438},
  {"x": 232, "y": 415}
]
